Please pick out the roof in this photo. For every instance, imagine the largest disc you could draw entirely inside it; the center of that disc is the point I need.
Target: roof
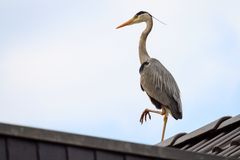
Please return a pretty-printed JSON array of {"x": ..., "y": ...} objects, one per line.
[
  {"x": 20, "y": 142},
  {"x": 221, "y": 137}
]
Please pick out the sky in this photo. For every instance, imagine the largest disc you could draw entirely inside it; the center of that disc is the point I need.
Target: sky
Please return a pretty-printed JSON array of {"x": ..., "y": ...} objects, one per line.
[{"x": 64, "y": 66}]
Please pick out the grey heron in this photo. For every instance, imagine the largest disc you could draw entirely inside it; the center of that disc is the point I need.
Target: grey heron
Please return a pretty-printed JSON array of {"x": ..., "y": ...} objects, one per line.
[{"x": 155, "y": 79}]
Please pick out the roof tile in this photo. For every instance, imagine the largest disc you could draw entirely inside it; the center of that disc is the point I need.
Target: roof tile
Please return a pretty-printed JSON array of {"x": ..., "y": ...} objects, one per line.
[
  {"x": 172, "y": 140},
  {"x": 221, "y": 137},
  {"x": 208, "y": 128}
]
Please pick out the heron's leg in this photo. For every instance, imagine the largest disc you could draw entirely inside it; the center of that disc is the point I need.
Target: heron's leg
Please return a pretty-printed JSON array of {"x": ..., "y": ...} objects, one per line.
[
  {"x": 147, "y": 111},
  {"x": 165, "y": 118}
]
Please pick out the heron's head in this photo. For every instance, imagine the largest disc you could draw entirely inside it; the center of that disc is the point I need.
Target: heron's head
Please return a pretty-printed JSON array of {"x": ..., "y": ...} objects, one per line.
[{"x": 141, "y": 16}]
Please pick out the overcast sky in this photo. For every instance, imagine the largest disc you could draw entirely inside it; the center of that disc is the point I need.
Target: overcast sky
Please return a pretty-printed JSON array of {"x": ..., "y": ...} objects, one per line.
[{"x": 64, "y": 66}]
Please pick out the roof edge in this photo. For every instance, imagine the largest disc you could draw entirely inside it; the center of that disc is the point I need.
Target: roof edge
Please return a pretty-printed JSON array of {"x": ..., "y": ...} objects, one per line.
[{"x": 100, "y": 143}]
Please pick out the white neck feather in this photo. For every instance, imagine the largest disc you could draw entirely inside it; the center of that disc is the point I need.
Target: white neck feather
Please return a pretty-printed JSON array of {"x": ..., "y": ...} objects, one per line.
[{"x": 143, "y": 55}]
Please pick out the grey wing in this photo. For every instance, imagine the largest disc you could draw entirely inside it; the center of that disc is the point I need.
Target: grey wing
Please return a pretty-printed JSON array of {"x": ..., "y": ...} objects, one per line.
[{"x": 160, "y": 85}]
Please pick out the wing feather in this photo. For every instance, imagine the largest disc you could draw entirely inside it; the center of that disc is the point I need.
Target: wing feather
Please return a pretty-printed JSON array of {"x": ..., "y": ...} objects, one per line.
[{"x": 159, "y": 84}]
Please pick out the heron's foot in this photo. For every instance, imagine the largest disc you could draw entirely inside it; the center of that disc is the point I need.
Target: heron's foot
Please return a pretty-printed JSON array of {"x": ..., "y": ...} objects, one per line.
[{"x": 144, "y": 115}]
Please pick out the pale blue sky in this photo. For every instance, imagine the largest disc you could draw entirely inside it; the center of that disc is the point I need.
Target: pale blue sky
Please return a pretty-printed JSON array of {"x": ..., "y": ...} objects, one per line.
[{"x": 65, "y": 67}]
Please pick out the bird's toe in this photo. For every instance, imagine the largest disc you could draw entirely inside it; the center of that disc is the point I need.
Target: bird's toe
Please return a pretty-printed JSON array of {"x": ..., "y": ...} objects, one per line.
[{"x": 144, "y": 116}]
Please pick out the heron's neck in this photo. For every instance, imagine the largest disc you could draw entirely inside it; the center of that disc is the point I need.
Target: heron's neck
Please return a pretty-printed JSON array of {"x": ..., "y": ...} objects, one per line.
[{"x": 143, "y": 55}]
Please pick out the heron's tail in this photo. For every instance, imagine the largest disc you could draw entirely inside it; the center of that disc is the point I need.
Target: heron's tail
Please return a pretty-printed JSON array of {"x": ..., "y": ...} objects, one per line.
[{"x": 176, "y": 110}]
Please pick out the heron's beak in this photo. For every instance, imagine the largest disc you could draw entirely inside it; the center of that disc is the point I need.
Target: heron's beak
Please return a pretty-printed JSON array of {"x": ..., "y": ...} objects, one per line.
[{"x": 129, "y": 22}]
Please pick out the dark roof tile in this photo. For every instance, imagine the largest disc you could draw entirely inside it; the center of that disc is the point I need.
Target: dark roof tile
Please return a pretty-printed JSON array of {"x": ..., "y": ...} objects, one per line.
[
  {"x": 208, "y": 128},
  {"x": 229, "y": 122},
  {"x": 221, "y": 137},
  {"x": 237, "y": 153},
  {"x": 171, "y": 141}
]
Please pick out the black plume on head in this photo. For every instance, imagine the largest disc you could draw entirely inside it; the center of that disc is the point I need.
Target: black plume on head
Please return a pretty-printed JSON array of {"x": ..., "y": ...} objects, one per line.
[{"x": 142, "y": 12}]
